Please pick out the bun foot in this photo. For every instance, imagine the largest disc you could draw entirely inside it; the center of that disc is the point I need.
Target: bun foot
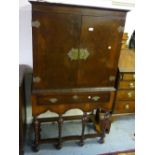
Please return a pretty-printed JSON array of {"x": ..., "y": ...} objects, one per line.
[
  {"x": 81, "y": 143},
  {"x": 101, "y": 141},
  {"x": 58, "y": 146},
  {"x": 35, "y": 148}
]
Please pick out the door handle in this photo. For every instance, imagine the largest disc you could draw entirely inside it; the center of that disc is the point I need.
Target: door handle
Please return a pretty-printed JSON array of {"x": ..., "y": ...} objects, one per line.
[{"x": 73, "y": 54}]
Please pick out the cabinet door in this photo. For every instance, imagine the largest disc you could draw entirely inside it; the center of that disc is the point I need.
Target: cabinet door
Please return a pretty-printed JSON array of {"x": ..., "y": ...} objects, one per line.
[
  {"x": 100, "y": 47},
  {"x": 54, "y": 35}
]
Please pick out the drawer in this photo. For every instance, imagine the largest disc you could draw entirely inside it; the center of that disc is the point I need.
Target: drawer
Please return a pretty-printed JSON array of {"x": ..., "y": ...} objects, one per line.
[
  {"x": 127, "y": 76},
  {"x": 124, "y": 107},
  {"x": 125, "y": 95},
  {"x": 73, "y": 98},
  {"x": 126, "y": 85}
]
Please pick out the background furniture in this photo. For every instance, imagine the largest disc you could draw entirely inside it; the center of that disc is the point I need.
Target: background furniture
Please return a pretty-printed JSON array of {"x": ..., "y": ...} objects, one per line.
[
  {"x": 75, "y": 58},
  {"x": 22, "y": 110},
  {"x": 125, "y": 98},
  {"x": 23, "y": 70}
]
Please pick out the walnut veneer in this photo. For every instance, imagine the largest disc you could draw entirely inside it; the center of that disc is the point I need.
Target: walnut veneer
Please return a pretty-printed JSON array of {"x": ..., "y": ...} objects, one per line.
[{"x": 75, "y": 58}]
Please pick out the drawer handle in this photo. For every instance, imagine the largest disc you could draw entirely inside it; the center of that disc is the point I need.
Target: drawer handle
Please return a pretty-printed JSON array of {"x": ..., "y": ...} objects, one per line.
[
  {"x": 53, "y": 100},
  {"x": 130, "y": 94},
  {"x": 131, "y": 85},
  {"x": 109, "y": 47},
  {"x": 89, "y": 97},
  {"x": 95, "y": 98},
  {"x": 90, "y": 29},
  {"x": 75, "y": 97},
  {"x": 121, "y": 77},
  {"x": 36, "y": 79},
  {"x": 112, "y": 78},
  {"x": 127, "y": 106}
]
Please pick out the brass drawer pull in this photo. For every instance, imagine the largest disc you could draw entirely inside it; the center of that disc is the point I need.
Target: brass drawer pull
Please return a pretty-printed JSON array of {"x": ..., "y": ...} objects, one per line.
[
  {"x": 112, "y": 78},
  {"x": 127, "y": 106},
  {"x": 109, "y": 47},
  {"x": 131, "y": 85},
  {"x": 89, "y": 97},
  {"x": 130, "y": 94},
  {"x": 36, "y": 79},
  {"x": 53, "y": 100},
  {"x": 90, "y": 29},
  {"x": 121, "y": 77},
  {"x": 75, "y": 97},
  {"x": 95, "y": 98}
]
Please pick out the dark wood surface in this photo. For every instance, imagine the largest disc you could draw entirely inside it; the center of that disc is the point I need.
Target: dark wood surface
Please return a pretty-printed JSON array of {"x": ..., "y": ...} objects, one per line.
[
  {"x": 22, "y": 119},
  {"x": 53, "y": 48},
  {"x": 23, "y": 71},
  {"x": 75, "y": 59}
]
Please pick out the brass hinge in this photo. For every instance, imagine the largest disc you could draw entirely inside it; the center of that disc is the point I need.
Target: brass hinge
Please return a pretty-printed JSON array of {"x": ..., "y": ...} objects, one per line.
[{"x": 36, "y": 24}]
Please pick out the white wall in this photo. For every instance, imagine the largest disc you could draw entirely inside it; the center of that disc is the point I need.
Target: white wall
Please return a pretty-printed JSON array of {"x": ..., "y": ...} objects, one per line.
[
  {"x": 130, "y": 23},
  {"x": 25, "y": 36}
]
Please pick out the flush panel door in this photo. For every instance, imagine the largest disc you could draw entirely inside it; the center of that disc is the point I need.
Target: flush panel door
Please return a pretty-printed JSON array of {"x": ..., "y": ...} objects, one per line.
[
  {"x": 100, "y": 44},
  {"x": 54, "y": 36}
]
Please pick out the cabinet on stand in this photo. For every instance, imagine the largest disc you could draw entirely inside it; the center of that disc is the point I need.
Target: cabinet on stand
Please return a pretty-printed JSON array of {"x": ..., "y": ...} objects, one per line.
[{"x": 75, "y": 58}]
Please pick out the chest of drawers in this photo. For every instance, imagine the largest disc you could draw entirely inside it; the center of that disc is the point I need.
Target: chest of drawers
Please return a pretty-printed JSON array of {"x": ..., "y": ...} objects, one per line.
[
  {"x": 75, "y": 57},
  {"x": 125, "y": 98}
]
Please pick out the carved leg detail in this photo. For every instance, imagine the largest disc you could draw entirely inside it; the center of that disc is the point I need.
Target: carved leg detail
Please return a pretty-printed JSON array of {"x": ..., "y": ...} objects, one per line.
[
  {"x": 104, "y": 121},
  {"x": 84, "y": 120},
  {"x": 60, "y": 122},
  {"x": 36, "y": 125}
]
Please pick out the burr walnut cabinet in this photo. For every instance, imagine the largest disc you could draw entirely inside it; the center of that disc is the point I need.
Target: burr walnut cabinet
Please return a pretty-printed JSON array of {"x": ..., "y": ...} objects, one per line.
[{"x": 75, "y": 58}]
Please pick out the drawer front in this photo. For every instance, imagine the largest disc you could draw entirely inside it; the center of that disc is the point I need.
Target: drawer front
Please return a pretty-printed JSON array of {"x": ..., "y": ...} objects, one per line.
[
  {"x": 125, "y": 95},
  {"x": 124, "y": 107},
  {"x": 73, "y": 98},
  {"x": 127, "y": 76},
  {"x": 126, "y": 85}
]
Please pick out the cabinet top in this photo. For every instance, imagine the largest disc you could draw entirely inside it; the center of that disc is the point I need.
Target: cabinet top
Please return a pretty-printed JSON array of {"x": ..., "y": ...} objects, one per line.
[{"x": 107, "y": 4}]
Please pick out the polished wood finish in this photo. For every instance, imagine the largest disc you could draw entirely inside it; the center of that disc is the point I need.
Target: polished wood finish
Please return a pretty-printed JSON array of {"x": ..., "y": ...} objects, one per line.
[
  {"x": 126, "y": 84},
  {"x": 125, "y": 107},
  {"x": 127, "y": 63},
  {"x": 75, "y": 58},
  {"x": 125, "y": 95},
  {"x": 125, "y": 98}
]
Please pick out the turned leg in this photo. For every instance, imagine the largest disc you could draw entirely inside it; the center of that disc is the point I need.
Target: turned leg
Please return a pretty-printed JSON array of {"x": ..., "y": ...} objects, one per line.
[
  {"x": 84, "y": 120},
  {"x": 36, "y": 125},
  {"x": 104, "y": 121},
  {"x": 60, "y": 122},
  {"x": 97, "y": 115}
]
